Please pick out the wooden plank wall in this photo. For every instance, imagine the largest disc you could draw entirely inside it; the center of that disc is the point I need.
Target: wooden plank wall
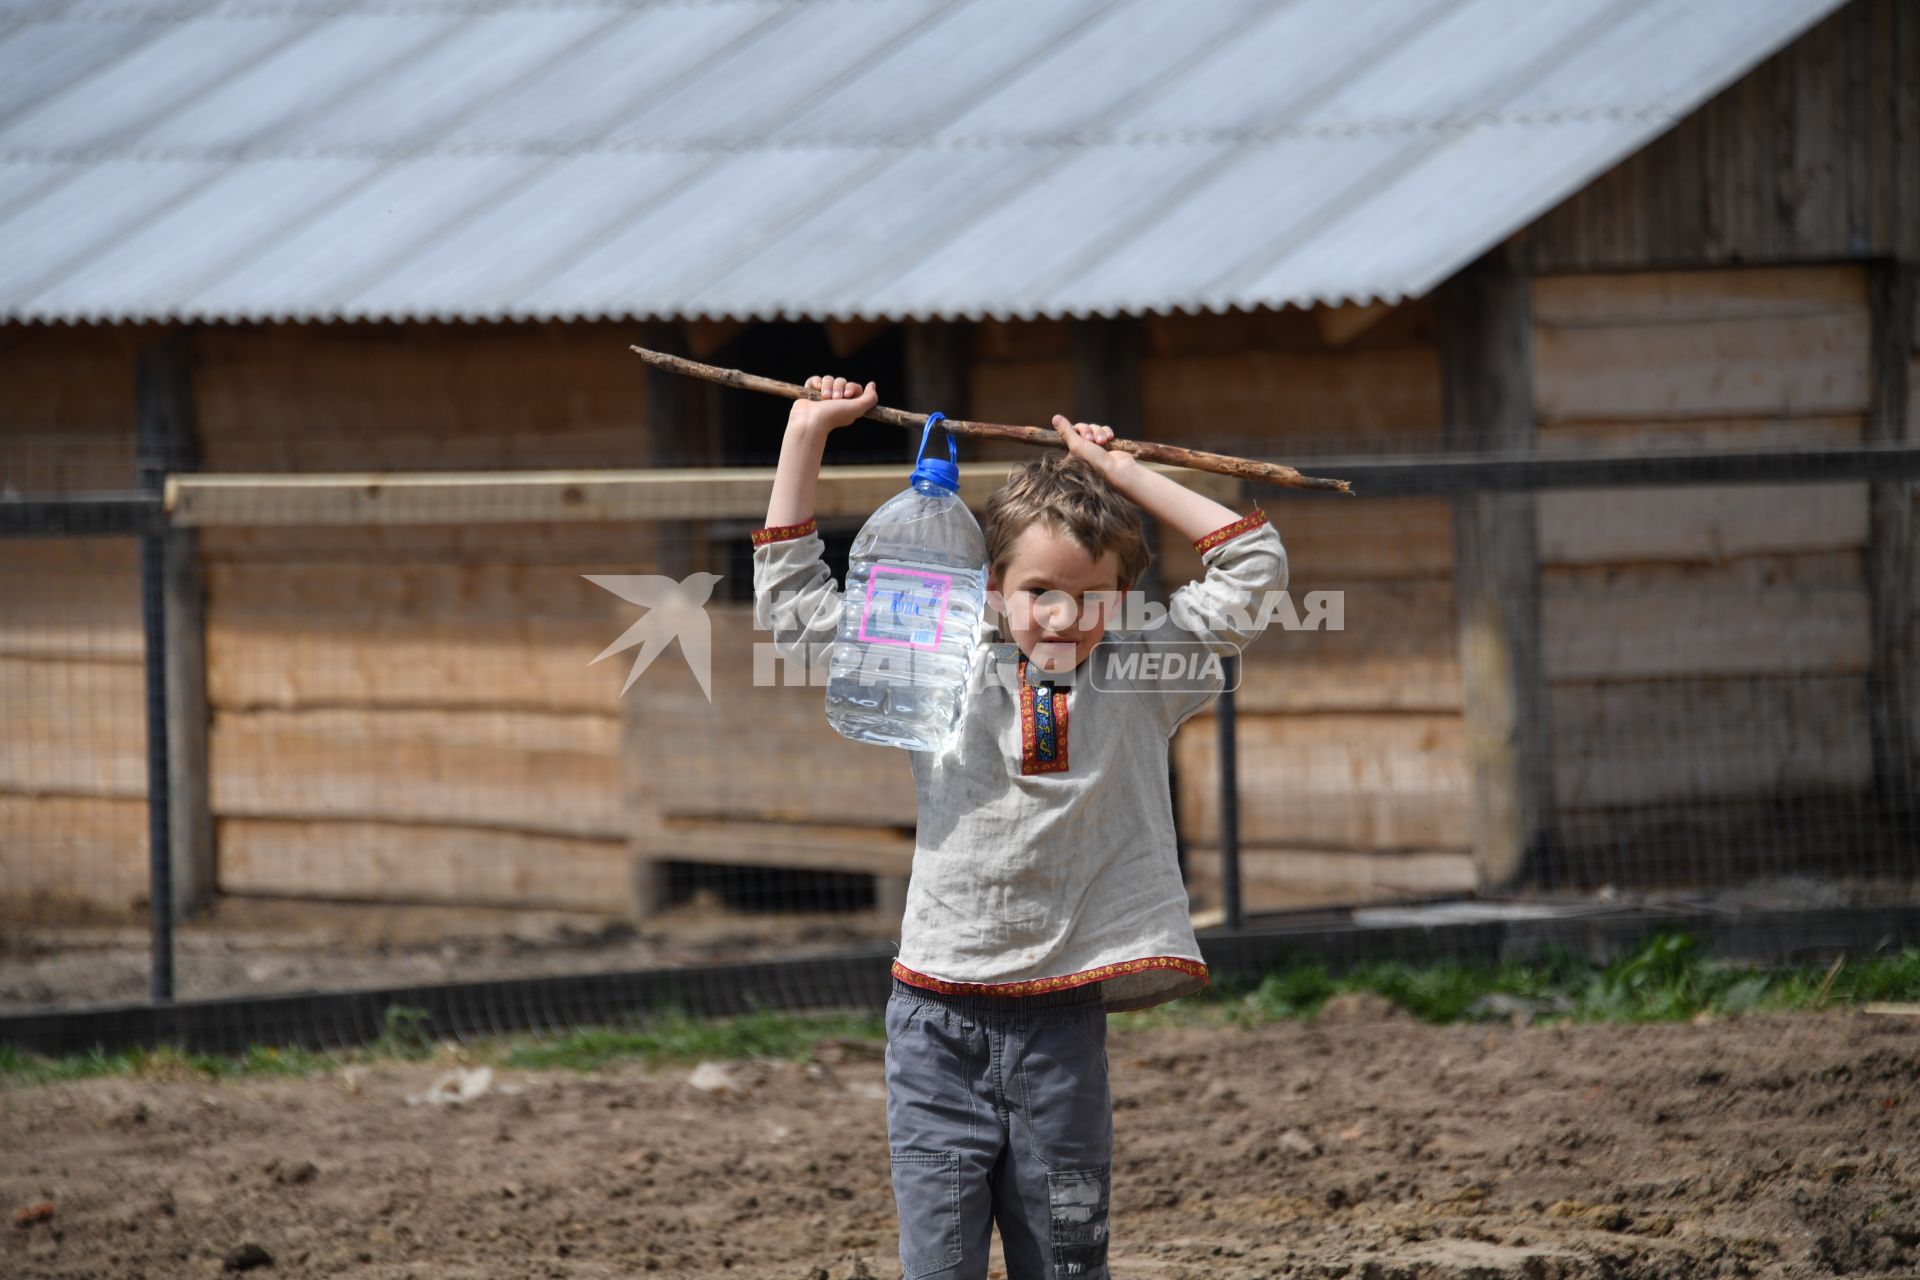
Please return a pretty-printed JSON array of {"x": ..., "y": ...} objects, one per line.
[
  {"x": 66, "y": 415},
  {"x": 73, "y": 782},
  {"x": 1814, "y": 155},
  {"x": 396, "y": 713},
  {"x": 1353, "y": 784},
  {"x": 405, "y": 713},
  {"x": 756, "y": 775},
  {"x": 1703, "y": 645},
  {"x": 410, "y": 713}
]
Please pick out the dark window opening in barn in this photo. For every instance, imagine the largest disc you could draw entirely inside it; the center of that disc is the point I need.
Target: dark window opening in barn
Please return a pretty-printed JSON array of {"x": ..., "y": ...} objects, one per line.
[
  {"x": 771, "y": 888},
  {"x": 748, "y": 427}
]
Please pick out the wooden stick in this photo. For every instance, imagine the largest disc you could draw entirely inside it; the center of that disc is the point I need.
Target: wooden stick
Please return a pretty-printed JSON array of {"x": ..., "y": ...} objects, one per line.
[{"x": 1044, "y": 437}]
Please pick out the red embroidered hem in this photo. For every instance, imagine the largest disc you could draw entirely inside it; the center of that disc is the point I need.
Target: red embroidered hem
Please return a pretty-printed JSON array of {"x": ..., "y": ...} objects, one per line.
[
  {"x": 781, "y": 532},
  {"x": 1251, "y": 521},
  {"x": 1038, "y": 986}
]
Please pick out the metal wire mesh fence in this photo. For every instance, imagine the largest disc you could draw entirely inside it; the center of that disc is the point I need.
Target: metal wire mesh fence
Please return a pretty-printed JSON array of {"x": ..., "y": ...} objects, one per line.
[
  {"x": 424, "y": 767},
  {"x": 421, "y": 752}
]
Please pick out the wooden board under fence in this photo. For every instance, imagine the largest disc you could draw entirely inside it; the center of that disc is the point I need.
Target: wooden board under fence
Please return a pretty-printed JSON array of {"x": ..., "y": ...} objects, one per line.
[
  {"x": 355, "y": 859},
  {"x": 755, "y": 775},
  {"x": 65, "y": 852},
  {"x": 1283, "y": 879}
]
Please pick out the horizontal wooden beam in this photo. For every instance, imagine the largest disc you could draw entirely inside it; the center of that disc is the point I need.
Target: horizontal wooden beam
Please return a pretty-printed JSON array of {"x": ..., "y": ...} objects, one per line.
[
  {"x": 1442, "y": 474},
  {"x": 682, "y": 493},
  {"x": 718, "y": 493},
  {"x": 80, "y": 515}
]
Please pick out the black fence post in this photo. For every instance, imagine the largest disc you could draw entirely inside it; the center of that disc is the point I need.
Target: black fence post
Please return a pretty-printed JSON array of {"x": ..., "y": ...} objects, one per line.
[
  {"x": 1229, "y": 797},
  {"x": 1893, "y": 657},
  {"x": 153, "y": 625},
  {"x": 170, "y": 617}
]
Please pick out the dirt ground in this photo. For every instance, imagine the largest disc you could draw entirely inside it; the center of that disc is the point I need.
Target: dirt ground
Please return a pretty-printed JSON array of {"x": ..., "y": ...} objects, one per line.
[{"x": 1363, "y": 1145}]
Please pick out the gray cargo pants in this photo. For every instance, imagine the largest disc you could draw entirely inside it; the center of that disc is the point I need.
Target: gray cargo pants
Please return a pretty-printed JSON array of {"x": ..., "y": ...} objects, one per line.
[{"x": 998, "y": 1111}]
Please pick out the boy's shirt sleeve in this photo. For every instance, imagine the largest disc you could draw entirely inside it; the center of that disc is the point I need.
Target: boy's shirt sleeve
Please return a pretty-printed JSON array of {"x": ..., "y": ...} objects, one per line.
[
  {"x": 1220, "y": 614},
  {"x": 794, "y": 594}
]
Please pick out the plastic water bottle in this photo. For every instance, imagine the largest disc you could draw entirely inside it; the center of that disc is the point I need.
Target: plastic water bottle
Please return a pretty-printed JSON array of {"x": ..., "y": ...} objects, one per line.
[{"x": 911, "y": 616}]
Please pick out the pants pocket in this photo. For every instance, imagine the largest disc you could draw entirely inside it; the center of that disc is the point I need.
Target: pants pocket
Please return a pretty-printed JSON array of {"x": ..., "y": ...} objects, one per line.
[
  {"x": 1091, "y": 1027},
  {"x": 926, "y": 1190},
  {"x": 1065, "y": 1098},
  {"x": 1077, "y": 1213}
]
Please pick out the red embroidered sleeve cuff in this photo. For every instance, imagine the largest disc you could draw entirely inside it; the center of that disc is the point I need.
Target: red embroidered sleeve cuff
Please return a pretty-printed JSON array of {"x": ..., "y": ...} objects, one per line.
[
  {"x": 1226, "y": 532},
  {"x": 781, "y": 532}
]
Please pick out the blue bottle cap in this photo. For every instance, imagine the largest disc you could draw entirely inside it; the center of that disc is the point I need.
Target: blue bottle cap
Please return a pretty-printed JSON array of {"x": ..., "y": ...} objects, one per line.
[{"x": 945, "y": 474}]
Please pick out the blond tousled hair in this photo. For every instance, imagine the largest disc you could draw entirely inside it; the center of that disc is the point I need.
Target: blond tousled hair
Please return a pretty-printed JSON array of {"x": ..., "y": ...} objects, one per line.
[{"x": 1070, "y": 497}]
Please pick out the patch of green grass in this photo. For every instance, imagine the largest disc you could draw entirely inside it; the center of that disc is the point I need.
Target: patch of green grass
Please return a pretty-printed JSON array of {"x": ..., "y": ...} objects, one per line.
[
  {"x": 670, "y": 1036},
  {"x": 163, "y": 1063},
  {"x": 18, "y": 1067},
  {"x": 1667, "y": 978},
  {"x": 680, "y": 1037},
  {"x": 403, "y": 1035}
]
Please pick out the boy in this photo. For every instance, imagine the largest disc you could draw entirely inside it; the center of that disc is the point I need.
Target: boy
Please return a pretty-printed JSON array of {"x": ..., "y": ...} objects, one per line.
[{"x": 1044, "y": 890}]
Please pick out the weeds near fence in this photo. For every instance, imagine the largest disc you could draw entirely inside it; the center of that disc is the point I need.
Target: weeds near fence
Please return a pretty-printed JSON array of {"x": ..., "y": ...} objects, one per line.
[{"x": 1667, "y": 978}]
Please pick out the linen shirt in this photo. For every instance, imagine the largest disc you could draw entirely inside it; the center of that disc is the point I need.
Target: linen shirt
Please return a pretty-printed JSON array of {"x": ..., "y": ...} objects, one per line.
[{"x": 1044, "y": 856}]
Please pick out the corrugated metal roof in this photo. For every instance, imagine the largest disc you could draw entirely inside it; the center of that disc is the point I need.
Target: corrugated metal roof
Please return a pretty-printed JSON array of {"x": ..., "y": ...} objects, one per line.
[{"x": 491, "y": 159}]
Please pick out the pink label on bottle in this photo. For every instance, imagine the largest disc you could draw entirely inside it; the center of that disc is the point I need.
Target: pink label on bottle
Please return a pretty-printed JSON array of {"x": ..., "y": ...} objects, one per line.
[{"x": 905, "y": 606}]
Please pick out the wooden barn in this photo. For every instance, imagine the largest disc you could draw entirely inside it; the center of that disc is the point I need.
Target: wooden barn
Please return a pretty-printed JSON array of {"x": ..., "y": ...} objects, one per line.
[{"x": 256, "y": 255}]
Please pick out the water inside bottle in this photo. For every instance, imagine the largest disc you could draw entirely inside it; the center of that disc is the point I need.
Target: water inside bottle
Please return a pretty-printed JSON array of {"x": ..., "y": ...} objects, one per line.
[{"x": 914, "y": 604}]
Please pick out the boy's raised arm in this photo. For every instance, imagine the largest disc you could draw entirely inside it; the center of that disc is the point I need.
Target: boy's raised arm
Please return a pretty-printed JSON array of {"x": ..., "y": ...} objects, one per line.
[
  {"x": 1192, "y": 515},
  {"x": 809, "y": 423},
  {"x": 794, "y": 594},
  {"x": 1219, "y": 615}
]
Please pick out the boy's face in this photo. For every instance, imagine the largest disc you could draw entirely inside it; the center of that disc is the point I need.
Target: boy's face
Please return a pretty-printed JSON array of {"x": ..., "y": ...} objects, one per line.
[{"x": 1056, "y": 599}]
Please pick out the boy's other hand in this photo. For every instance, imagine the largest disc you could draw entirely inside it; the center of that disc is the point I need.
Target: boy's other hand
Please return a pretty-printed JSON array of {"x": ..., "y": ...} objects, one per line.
[
  {"x": 841, "y": 402},
  {"x": 1088, "y": 440}
]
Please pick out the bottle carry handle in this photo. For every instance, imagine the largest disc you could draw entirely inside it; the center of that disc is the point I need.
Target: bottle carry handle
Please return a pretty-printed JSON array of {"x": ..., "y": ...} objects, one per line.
[{"x": 953, "y": 446}]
